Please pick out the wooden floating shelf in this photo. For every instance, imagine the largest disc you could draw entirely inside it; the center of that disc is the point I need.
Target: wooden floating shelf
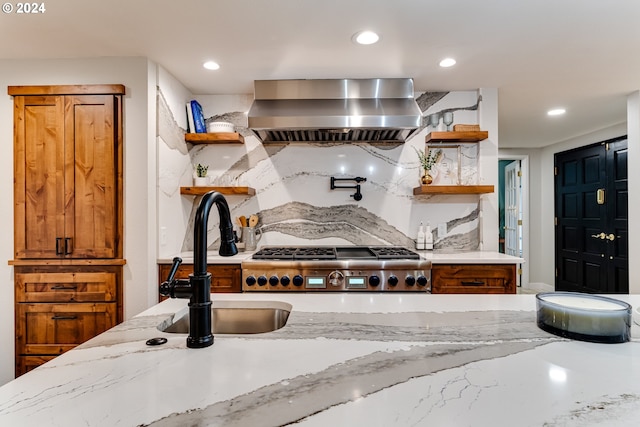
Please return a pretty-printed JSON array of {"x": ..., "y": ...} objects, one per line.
[
  {"x": 232, "y": 191},
  {"x": 453, "y": 189},
  {"x": 453, "y": 136},
  {"x": 214, "y": 138}
]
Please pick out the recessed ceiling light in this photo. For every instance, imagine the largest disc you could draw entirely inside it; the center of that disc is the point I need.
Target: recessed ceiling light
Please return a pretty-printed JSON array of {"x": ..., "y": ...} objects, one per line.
[
  {"x": 556, "y": 112},
  {"x": 447, "y": 62},
  {"x": 211, "y": 65},
  {"x": 366, "y": 37}
]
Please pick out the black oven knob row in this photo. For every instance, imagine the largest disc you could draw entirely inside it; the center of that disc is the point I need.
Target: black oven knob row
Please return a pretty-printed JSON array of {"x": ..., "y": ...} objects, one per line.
[
  {"x": 374, "y": 280},
  {"x": 393, "y": 280},
  {"x": 410, "y": 280},
  {"x": 273, "y": 280},
  {"x": 250, "y": 280},
  {"x": 262, "y": 280},
  {"x": 285, "y": 280},
  {"x": 298, "y": 280},
  {"x": 422, "y": 281}
]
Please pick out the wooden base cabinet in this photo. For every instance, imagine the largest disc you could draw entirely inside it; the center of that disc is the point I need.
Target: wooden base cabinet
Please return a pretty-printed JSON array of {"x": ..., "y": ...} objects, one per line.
[
  {"x": 224, "y": 277},
  {"x": 58, "y": 308},
  {"x": 473, "y": 279}
]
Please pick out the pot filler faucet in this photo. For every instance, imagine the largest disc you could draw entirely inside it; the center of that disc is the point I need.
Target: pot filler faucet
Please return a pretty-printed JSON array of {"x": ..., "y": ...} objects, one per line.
[{"x": 198, "y": 286}]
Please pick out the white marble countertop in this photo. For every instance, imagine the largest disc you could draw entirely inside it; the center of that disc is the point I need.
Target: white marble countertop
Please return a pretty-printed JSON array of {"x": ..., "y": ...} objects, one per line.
[
  {"x": 341, "y": 360},
  {"x": 436, "y": 257}
]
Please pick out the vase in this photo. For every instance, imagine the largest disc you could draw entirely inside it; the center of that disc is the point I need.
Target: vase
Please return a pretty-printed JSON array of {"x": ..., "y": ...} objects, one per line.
[
  {"x": 200, "y": 181},
  {"x": 426, "y": 179}
]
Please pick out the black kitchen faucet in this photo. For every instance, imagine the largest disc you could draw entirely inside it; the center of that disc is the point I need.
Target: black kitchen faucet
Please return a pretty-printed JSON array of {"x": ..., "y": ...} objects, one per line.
[{"x": 198, "y": 286}]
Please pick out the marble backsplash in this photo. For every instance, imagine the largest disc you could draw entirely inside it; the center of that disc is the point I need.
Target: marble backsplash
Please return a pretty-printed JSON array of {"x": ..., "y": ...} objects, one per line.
[{"x": 293, "y": 199}]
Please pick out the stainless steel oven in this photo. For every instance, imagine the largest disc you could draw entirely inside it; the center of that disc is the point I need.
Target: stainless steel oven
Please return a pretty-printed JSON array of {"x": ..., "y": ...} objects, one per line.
[{"x": 336, "y": 268}]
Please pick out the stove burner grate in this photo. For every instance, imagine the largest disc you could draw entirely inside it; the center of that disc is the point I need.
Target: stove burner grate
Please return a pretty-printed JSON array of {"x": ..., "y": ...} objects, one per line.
[
  {"x": 394, "y": 252},
  {"x": 330, "y": 253}
]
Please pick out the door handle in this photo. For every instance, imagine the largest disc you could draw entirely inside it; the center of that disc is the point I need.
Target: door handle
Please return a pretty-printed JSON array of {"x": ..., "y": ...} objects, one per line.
[
  {"x": 611, "y": 237},
  {"x": 59, "y": 248},
  {"x": 600, "y": 196},
  {"x": 601, "y": 236},
  {"x": 68, "y": 245}
]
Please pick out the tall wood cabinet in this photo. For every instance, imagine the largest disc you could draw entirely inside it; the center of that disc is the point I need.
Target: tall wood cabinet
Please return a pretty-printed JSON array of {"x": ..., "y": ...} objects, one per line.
[{"x": 68, "y": 228}]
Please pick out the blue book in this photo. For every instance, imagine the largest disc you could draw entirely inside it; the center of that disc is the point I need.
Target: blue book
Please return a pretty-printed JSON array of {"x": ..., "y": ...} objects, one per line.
[{"x": 198, "y": 117}]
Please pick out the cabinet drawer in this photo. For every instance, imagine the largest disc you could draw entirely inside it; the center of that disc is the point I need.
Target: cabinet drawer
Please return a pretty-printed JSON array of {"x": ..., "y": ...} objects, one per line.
[
  {"x": 224, "y": 277},
  {"x": 25, "y": 364},
  {"x": 66, "y": 286},
  {"x": 56, "y": 328},
  {"x": 474, "y": 279}
]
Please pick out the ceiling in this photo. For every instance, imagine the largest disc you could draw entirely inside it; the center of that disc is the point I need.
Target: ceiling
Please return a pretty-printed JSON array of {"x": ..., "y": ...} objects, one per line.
[{"x": 578, "y": 54}]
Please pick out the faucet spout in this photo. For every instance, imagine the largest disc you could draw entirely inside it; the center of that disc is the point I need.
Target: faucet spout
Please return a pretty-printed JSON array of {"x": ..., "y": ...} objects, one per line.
[{"x": 200, "y": 335}]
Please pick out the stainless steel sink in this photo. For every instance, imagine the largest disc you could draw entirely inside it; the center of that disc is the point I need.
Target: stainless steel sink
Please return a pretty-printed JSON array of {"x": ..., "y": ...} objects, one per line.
[{"x": 237, "y": 317}]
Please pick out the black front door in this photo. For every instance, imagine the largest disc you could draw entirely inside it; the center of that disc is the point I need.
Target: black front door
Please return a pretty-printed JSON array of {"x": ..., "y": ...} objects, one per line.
[{"x": 591, "y": 218}]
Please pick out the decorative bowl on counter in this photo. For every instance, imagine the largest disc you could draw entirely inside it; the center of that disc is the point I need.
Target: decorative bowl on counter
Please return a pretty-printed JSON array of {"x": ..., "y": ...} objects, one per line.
[
  {"x": 584, "y": 317},
  {"x": 224, "y": 127}
]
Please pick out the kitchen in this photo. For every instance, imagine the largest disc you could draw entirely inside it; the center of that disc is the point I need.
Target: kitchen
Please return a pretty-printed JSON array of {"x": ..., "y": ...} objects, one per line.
[{"x": 145, "y": 81}]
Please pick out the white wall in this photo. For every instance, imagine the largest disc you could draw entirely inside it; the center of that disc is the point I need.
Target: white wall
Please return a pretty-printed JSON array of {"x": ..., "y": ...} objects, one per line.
[{"x": 138, "y": 76}]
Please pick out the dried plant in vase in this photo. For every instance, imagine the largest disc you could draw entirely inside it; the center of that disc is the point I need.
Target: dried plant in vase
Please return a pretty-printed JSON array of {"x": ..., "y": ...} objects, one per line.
[{"x": 427, "y": 161}]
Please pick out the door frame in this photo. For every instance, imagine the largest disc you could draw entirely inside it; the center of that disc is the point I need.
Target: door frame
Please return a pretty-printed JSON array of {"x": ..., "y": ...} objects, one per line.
[{"x": 523, "y": 279}]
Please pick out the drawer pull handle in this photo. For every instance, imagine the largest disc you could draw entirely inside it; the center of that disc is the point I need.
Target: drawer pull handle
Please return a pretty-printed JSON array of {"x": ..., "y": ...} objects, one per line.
[
  {"x": 64, "y": 288},
  {"x": 472, "y": 283},
  {"x": 64, "y": 317}
]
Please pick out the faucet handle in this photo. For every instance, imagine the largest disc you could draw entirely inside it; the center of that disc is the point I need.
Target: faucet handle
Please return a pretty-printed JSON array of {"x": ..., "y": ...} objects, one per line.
[
  {"x": 167, "y": 286},
  {"x": 174, "y": 268}
]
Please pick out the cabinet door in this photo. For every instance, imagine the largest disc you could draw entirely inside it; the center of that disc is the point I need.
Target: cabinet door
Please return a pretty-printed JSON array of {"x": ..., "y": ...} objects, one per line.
[
  {"x": 39, "y": 161},
  {"x": 67, "y": 164},
  {"x": 91, "y": 199},
  {"x": 473, "y": 279}
]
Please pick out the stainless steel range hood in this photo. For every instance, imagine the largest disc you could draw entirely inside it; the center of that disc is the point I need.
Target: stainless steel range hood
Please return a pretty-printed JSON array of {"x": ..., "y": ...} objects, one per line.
[{"x": 341, "y": 110}]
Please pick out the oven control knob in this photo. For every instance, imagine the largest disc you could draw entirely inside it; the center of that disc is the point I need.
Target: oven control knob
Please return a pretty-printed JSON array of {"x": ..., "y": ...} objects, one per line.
[
  {"x": 393, "y": 280},
  {"x": 262, "y": 280},
  {"x": 284, "y": 280},
  {"x": 422, "y": 281},
  {"x": 298, "y": 280},
  {"x": 409, "y": 280},
  {"x": 336, "y": 278},
  {"x": 273, "y": 280},
  {"x": 374, "y": 280},
  {"x": 250, "y": 280}
]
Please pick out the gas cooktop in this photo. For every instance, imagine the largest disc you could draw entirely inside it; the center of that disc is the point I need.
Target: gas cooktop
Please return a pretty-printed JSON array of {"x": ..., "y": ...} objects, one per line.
[{"x": 290, "y": 253}]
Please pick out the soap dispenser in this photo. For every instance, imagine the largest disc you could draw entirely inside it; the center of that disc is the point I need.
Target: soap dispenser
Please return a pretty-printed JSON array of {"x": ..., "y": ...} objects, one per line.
[
  {"x": 420, "y": 243},
  {"x": 428, "y": 238}
]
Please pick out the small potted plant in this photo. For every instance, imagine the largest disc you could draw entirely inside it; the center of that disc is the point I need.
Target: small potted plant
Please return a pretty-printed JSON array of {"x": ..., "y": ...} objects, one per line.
[
  {"x": 201, "y": 178},
  {"x": 427, "y": 161}
]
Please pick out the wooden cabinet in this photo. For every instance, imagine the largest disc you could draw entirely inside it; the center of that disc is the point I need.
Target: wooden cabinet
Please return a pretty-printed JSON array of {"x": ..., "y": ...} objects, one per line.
[
  {"x": 68, "y": 242},
  {"x": 224, "y": 277},
  {"x": 57, "y": 309},
  {"x": 66, "y": 176},
  {"x": 473, "y": 279}
]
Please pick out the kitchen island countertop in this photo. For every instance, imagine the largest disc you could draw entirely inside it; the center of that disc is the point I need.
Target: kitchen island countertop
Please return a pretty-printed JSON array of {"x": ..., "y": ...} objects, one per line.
[{"x": 341, "y": 360}]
